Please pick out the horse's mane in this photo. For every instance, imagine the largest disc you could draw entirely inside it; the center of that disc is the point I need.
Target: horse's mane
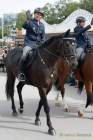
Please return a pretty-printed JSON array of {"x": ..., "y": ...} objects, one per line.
[
  {"x": 51, "y": 39},
  {"x": 56, "y": 37}
]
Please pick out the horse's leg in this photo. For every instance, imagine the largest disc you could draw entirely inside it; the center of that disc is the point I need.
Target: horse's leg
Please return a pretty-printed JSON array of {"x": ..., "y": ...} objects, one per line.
[
  {"x": 19, "y": 90},
  {"x": 10, "y": 90},
  {"x": 63, "y": 98},
  {"x": 57, "y": 97},
  {"x": 57, "y": 86},
  {"x": 42, "y": 93},
  {"x": 64, "y": 101},
  {"x": 88, "y": 87},
  {"x": 89, "y": 92},
  {"x": 63, "y": 70},
  {"x": 62, "y": 82},
  {"x": 57, "y": 103},
  {"x": 3, "y": 68},
  {"x": 13, "y": 105},
  {"x": 37, "y": 120}
]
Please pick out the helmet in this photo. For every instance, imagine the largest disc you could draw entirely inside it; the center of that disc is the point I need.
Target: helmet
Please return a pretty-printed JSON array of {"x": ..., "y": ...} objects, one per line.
[
  {"x": 80, "y": 19},
  {"x": 39, "y": 10}
]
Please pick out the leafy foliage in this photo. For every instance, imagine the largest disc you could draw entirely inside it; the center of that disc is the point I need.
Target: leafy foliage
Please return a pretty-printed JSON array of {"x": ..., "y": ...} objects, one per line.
[
  {"x": 21, "y": 17},
  {"x": 87, "y": 4}
]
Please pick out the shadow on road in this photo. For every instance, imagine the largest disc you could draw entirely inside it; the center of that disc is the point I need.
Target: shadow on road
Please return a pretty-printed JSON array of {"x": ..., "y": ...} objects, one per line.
[{"x": 30, "y": 106}]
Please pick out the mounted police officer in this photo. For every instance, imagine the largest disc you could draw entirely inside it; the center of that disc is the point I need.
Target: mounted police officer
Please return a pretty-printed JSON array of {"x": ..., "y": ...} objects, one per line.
[
  {"x": 82, "y": 39},
  {"x": 35, "y": 35}
]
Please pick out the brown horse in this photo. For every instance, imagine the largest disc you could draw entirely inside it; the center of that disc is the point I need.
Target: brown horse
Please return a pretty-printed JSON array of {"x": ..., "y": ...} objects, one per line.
[
  {"x": 38, "y": 73},
  {"x": 84, "y": 75},
  {"x": 63, "y": 70}
]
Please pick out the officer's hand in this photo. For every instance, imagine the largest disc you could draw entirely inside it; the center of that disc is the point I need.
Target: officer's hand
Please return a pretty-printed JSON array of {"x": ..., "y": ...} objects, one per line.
[{"x": 28, "y": 14}]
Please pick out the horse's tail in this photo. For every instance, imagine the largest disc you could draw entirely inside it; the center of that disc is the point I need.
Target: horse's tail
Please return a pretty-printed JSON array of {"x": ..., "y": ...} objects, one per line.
[
  {"x": 80, "y": 86},
  {"x": 10, "y": 84}
]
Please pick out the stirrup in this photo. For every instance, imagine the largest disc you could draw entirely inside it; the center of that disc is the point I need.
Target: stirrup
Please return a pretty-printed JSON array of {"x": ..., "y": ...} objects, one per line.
[{"x": 21, "y": 77}]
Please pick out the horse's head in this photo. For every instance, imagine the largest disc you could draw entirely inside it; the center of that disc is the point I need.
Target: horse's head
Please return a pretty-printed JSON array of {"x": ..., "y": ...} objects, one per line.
[
  {"x": 62, "y": 46},
  {"x": 68, "y": 51}
]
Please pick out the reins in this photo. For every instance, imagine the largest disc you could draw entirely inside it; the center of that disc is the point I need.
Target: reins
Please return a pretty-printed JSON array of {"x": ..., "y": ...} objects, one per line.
[{"x": 52, "y": 54}]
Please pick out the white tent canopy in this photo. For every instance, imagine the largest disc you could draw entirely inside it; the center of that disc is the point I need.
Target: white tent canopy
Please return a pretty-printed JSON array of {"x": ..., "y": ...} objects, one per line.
[{"x": 69, "y": 22}]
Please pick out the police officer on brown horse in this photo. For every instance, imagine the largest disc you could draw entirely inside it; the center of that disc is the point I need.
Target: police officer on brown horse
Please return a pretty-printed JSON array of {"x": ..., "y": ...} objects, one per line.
[
  {"x": 83, "y": 41},
  {"x": 35, "y": 35}
]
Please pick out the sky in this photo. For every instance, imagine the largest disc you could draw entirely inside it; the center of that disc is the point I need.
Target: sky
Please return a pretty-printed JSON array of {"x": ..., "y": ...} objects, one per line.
[{"x": 14, "y": 6}]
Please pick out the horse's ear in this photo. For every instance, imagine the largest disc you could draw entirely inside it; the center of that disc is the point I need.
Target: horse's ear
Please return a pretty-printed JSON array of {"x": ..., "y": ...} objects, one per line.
[{"x": 66, "y": 34}]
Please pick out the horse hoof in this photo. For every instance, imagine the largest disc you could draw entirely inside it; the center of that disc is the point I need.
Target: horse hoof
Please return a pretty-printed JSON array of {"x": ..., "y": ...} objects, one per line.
[
  {"x": 38, "y": 122},
  {"x": 20, "y": 110},
  {"x": 89, "y": 109},
  {"x": 52, "y": 132},
  {"x": 57, "y": 104},
  {"x": 80, "y": 114},
  {"x": 66, "y": 110},
  {"x": 15, "y": 114}
]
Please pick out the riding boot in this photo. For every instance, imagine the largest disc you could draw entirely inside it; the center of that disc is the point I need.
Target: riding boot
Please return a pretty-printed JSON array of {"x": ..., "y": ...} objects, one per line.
[{"x": 21, "y": 75}]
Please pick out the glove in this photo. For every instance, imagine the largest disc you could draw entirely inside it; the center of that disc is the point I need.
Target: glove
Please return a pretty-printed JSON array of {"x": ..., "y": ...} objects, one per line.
[{"x": 28, "y": 14}]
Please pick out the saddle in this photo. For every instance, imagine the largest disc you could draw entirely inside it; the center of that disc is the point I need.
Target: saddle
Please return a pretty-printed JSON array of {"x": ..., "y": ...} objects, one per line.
[
  {"x": 81, "y": 59},
  {"x": 88, "y": 50},
  {"x": 30, "y": 58}
]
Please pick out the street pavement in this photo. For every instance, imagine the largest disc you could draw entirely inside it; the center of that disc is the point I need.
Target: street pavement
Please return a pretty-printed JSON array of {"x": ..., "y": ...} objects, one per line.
[{"x": 68, "y": 126}]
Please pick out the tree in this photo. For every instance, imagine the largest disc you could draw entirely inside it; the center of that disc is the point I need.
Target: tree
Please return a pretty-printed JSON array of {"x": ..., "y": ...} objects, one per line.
[
  {"x": 6, "y": 31},
  {"x": 49, "y": 13},
  {"x": 57, "y": 12},
  {"x": 53, "y": 13},
  {"x": 87, "y": 5},
  {"x": 21, "y": 17},
  {"x": 70, "y": 7}
]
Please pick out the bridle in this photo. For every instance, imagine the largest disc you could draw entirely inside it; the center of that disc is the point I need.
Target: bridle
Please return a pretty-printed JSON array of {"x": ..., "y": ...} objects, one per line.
[{"x": 66, "y": 58}]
